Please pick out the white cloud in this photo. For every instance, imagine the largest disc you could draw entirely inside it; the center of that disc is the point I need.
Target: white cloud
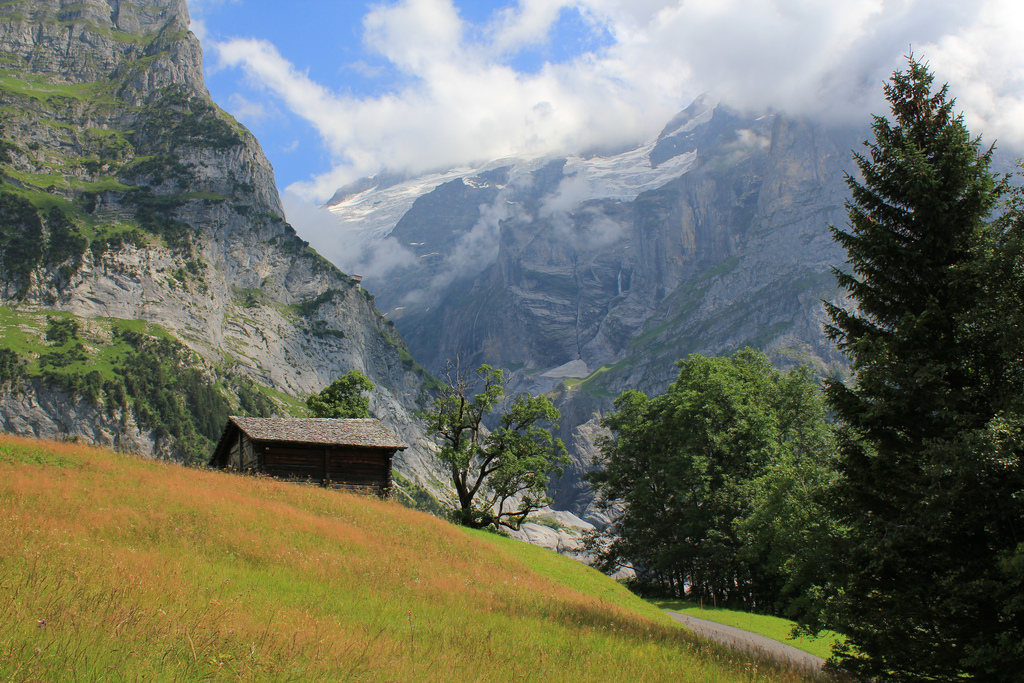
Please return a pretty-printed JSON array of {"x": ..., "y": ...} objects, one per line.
[
  {"x": 416, "y": 34},
  {"x": 571, "y": 192},
  {"x": 984, "y": 65},
  {"x": 346, "y": 249},
  {"x": 528, "y": 23},
  {"x": 197, "y": 24},
  {"x": 462, "y": 101},
  {"x": 249, "y": 112},
  {"x": 198, "y": 27}
]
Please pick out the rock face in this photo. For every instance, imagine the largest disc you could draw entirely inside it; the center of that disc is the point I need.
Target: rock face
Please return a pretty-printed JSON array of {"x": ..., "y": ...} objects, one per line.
[
  {"x": 35, "y": 409},
  {"x": 127, "y": 195},
  {"x": 592, "y": 276}
]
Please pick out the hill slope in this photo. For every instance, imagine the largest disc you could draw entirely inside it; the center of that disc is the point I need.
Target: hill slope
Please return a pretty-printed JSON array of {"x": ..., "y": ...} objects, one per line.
[
  {"x": 118, "y": 568},
  {"x": 145, "y": 221}
]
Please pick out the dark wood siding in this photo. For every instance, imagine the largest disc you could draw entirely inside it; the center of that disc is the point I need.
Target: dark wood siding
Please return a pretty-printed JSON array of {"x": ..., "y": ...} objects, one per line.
[{"x": 327, "y": 464}]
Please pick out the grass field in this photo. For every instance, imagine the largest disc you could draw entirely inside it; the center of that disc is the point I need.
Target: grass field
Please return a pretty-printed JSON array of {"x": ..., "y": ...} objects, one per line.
[
  {"x": 114, "y": 568},
  {"x": 775, "y": 628}
]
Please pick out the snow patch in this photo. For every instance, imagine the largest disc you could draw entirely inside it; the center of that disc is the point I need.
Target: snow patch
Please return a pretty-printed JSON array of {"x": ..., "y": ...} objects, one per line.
[{"x": 574, "y": 368}]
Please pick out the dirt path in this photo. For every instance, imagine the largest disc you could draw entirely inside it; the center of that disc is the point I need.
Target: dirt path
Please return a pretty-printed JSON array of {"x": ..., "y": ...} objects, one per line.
[{"x": 745, "y": 641}]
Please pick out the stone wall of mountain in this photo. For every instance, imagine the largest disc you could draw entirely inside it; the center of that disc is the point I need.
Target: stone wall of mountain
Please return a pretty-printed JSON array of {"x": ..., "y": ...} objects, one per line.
[
  {"x": 584, "y": 296},
  {"x": 132, "y": 206},
  {"x": 767, "y": 272}
]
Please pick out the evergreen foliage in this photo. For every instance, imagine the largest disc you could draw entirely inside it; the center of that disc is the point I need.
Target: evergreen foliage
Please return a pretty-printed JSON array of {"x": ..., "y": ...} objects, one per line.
[
  {"x": 171, "y": 395},
  {"x": 722, "y": 479},
  {"x": 12, "y": 366},
  {"x": 21, "y": 239},
  {"x": 933, "y": 490},
  {"x": 502, "y": 475},
  {"x": 343, "y": 398},
  {"x": 65, "y": 240},
  {"x": 251, "y": 401},
  {"x": 177, "y": 118},
  {"x": 61, "y": 330}
]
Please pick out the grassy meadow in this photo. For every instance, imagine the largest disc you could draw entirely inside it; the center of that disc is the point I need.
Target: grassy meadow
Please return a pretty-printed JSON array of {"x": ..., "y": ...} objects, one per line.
[{"x": 116, "y": 568}]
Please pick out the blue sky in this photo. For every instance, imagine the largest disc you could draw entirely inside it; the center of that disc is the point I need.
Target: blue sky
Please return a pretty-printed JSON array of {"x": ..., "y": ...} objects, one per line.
[{"x": 338, "y": 90}]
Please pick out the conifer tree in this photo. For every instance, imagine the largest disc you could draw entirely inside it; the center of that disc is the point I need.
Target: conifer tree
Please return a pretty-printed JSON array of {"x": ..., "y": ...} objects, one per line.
[{"x": 932, "y": 422}]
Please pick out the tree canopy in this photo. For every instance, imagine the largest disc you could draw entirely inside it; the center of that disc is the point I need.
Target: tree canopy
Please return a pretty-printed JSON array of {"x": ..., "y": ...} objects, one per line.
[
  {"x": 721, "y": 478},
  {"x": 500, "y": 475},
  {"x": 930, "y": 583},
  {"x": 343, "y": 397}
]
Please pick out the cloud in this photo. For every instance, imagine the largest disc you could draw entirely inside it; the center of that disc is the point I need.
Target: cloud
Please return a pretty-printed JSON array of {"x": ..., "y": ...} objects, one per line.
[
  {"x": 476, "y": 249},
  {"x": 197, "y": 24},
  {"x": 345, "y": 248},
  {"x": 249, "y": 112},
  {"x": 528, "y": 23},
  {"x": 586, "y": 227},
  {"x": 985, "y": 68},
  {"x": 572, "y": 190},
  {"x": 366, "y": 70},
  {"x": 462, "y": 100},
  {"x": 414, "y": 35}
]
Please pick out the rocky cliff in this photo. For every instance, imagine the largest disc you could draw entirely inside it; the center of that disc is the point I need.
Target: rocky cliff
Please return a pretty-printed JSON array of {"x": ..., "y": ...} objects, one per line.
[
  {"x": 584, "y": 277},
  {"x": 150, "y": 279}
]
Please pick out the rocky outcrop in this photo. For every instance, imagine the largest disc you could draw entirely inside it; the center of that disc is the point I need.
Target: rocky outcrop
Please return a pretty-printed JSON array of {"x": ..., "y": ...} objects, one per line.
[
  {"x": 86, "y": 41},
  {"x": 34, "y": 409}
]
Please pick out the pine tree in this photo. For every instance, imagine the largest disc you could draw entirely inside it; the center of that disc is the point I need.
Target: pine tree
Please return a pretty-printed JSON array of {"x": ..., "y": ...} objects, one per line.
[{"x": 932, "y": 423}]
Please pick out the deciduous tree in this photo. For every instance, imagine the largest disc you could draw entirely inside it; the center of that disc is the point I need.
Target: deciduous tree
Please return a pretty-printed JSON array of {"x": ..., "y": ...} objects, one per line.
[
  {"x": 499, "y": 475},
  {"x": 343, "y": 397},
  {"x": 708, "y": 473}
]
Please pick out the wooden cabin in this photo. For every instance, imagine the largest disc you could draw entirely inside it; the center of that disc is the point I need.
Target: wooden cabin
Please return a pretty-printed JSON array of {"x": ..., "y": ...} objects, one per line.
[{"x": 352, "y": 454}]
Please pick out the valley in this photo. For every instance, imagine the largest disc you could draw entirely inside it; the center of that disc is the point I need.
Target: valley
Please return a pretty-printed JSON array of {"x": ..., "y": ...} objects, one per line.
[
  {"x": 768, "y": 359},
  {"x": 583, "y": 278}
]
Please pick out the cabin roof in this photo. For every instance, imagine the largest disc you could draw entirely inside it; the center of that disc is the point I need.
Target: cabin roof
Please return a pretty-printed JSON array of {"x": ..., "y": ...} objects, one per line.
[{"x": 365, "y": 432}]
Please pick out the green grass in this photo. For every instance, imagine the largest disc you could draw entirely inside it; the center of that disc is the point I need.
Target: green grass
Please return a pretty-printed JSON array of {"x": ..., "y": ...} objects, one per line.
[
  {"x": 775, "y": 628},
  {"x": 102, "y": 185},
  {"x": 289, "y": 405},
  {"x": 122, "y": 569},
  {"x": 25, "y": 333},
  {"x": 22, "y": 331},
  {"x": 41, "y": 199},
  {"x": 38, "y": 87}
]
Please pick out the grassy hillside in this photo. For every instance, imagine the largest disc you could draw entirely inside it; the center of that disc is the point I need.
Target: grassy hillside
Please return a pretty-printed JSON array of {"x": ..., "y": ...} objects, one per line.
[{"x": 117, "y": 568}]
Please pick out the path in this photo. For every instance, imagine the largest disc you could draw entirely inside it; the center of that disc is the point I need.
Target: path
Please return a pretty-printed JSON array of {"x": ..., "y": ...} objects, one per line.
[{"x": 745, "y": 641}]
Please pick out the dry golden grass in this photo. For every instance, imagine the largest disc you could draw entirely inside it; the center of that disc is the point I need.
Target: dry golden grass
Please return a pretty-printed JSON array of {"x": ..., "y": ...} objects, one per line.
[{"x": 116, "y": 568}]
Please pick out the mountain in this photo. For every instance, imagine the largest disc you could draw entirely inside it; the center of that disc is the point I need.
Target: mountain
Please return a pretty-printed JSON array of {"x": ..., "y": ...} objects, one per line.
[
  {"x": 150, "y": 282},
  {"x": 584, "y": 277}
]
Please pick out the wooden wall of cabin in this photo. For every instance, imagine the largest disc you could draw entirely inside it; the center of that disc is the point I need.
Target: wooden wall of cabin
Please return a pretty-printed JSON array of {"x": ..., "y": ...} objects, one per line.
[
  {"x": 249, "y": 460},
  {"x": 329, "y": 464},
  {"x": 234, "y": 462}
]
